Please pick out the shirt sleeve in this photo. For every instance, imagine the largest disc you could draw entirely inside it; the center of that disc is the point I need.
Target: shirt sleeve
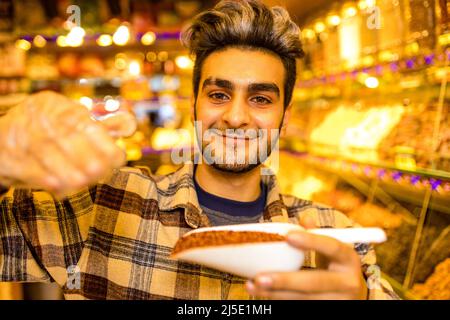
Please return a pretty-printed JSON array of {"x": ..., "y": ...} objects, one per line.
[{"x": 40, "y": 238}]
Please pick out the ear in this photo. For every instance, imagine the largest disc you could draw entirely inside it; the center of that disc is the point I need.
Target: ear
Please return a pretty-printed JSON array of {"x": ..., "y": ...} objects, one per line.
[{"x": 286, "y": 117}]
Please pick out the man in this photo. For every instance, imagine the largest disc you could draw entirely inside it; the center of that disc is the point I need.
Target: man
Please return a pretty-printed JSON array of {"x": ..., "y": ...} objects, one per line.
[{"x": 112, "y": 240}]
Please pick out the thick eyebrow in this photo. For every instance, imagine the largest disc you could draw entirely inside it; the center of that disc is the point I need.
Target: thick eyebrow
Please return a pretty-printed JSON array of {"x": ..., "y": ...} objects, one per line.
[
  {"x": 225, "y": 84},
  {"x": 252, "y": 88},
  {"x": 258, "y": 87}
]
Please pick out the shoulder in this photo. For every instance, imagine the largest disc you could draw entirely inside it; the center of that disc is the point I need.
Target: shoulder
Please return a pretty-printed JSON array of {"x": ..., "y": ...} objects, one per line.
[
  {"x": 325, "y": 216},
  {"x": 140, "y": 181}
]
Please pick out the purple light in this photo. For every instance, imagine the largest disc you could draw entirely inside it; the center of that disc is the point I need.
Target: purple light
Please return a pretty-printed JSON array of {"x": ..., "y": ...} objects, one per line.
[
  {"x": 410, "y": 63},
  {"x": 381, "y": 173},
  {"x": 435, "y": 183},
  {"x": 415, "y": 180},
  {"x": 394, "y": 66},
  {"x": 354, "y": 167},
  {"x": 354, "y": 74},
  {"x": 168, "y": 35},
  {"x": 378, "y": 69},
  {"x": 367, "y": 171},
  {"x": 429, "y": 59},
  {"x": 396, "y": 175}
]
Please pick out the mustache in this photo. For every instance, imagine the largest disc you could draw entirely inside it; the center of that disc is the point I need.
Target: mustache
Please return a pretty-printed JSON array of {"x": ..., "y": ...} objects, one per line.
[{"x": 238, "y": 133}]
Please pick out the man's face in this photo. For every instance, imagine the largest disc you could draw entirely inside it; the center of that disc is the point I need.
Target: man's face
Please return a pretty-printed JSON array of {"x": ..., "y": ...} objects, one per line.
[{"x": 239, "y": 105}]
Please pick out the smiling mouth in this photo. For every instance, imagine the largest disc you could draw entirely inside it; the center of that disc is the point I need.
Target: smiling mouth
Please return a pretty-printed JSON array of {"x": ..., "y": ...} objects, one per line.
[{"x": 237, "y": 137}]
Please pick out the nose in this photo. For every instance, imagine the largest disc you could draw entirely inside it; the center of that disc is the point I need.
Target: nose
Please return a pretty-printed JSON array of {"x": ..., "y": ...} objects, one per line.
[{"x": 237, "y": 114}]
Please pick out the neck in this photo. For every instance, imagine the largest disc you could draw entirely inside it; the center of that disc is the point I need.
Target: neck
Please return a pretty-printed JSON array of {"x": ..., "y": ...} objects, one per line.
[{"x": 243, "y": 187}]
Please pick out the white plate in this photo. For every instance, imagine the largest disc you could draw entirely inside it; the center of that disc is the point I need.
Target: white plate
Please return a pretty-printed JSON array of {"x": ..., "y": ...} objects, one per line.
[{"x": 249, "y": 259}]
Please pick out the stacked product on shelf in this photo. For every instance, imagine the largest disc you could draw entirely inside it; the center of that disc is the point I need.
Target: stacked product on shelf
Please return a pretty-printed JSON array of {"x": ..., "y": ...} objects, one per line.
[
  {"x": 415, "y": 130},
  {"x": 437, "y": 286}
]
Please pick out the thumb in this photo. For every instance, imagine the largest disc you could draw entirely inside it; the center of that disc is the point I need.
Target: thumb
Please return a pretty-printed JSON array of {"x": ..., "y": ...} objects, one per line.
[
  {"x": 119, "y": 124},
  {"x": 307, "y": 222}
]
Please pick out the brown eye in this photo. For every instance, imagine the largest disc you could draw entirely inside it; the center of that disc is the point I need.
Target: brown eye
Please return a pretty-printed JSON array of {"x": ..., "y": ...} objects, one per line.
[
  {"x": 261, "y": 100},
  {"x": 218, "y": 96}
]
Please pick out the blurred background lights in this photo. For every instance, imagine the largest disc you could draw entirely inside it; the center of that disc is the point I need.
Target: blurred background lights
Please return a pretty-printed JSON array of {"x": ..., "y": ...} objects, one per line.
[
  {"x": 121, "y": 36},
  {"x": 148, "y": 38},
  {"x": 372, "y": 82},
  {"x": 87, "y": 102},
  {"x": 39, "y": 41},
  {"x": 104, "y": 40},
  {"x": 23, "y": 44},
  {"x": 184, "y": 62},
  {"x": 112, "y": 105}
]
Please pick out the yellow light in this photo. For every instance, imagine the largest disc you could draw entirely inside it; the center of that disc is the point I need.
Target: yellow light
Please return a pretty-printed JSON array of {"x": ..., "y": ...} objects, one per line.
[
  {"x": 148, "y": 38},
  {"x": 362, "y": 5},
  {"x": 87, "y": 102},
  {"x": 77, "y": 32},
  {"x": 319, "y": 27},
  {"x": 121, "y": 55},
  {"x": 120, "y": 63},
  {"x": 74, "y": 42},
  {"x": 104, "y": 40},
  {"x": 183, "y": 62},
  {"x": 163, "y": 56},
  {"x": 350, "y": 12},
  {"x": 151, "y": 56},
  {"x": 75, "y": 37},
  {"x": 371, "y": 3},
  {"x": 412, "y": 48},
  {"x": 112, "y": 105},
  {"x": 372, "y": 82},
  {"x": 39, "y": 41},
  {"x": 23, "y": 44},
  {"x": 387, "y": 55},
  {"x": 308, "y": 34},
  {"x": 134, "y": 68},
  {"x": 61, "y": 41},
  {"x": 333, "y": 20},
  {"x": 444, "y": 39},
  {"x": 121, "y": 36}
]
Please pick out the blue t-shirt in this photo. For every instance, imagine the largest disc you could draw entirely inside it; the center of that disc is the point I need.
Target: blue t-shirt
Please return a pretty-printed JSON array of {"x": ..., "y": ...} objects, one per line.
[{"x": 223, "y": 211}]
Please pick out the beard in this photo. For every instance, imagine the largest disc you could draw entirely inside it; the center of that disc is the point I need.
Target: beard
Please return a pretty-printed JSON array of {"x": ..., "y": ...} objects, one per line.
[{"x": 230, "y": 152}]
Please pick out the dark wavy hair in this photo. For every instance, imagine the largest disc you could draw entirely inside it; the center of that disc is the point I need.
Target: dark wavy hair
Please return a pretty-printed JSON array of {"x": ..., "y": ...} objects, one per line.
[{"x": 246, "y": 24}]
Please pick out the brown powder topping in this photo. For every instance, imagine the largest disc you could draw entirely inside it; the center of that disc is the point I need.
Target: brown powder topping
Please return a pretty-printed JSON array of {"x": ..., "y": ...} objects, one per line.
[{"x": 220, "y": 238}]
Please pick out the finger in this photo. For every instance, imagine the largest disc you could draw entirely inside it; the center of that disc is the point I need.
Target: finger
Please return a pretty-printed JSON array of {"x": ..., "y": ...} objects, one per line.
[
  {"x": 53, "y": 161},
  {"x": 307, "y": 222},
  {"x": 331, "y": 248},
  {"x": 84, "y": 155},
  {"x": 292, "y": 295},
  {"x": 105, "y": 144},
  {"x": 33, "y": 176},
  {"x": 308, "y": 281},
  {"x": 119, "y": 125}
]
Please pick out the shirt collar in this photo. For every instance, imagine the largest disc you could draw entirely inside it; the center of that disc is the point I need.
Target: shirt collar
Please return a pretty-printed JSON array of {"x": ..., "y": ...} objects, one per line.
[{"x": 177, "y": 190}]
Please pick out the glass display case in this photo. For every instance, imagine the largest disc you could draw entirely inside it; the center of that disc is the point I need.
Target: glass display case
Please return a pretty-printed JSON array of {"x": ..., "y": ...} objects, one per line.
[{"x": 373, "y": 142}]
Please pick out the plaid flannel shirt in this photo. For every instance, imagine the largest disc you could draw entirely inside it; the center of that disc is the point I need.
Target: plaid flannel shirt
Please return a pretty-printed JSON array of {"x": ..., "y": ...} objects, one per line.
[{"x": 113, "y": 240}]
